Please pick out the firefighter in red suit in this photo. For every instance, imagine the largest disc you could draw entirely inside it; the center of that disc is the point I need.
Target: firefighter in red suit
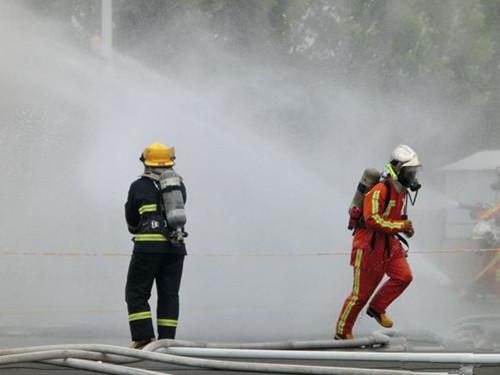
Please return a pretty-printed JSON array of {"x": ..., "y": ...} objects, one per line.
[{"x": 377, "y": 248}]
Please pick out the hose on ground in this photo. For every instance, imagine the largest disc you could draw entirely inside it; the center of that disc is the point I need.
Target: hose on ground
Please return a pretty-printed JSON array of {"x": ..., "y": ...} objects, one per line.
[
  {"x": 423, "y": 357},
  {"x": 378, "y": 339},
  {"x": 73, "y": 353},
  {"x": 81, "y": 359},
  {"x": 98, "y": 356},
  {"x": 103, "y": 368}
]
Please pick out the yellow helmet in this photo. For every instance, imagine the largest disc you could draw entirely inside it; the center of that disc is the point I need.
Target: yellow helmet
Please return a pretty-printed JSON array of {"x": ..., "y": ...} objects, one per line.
[{"x": 158, "y": 155}]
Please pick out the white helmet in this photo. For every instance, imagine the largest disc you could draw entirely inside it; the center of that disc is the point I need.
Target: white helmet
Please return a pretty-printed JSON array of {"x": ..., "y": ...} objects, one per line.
[
  {"x": 403, "y": 167},
  {"x": 404, "y": 156}
]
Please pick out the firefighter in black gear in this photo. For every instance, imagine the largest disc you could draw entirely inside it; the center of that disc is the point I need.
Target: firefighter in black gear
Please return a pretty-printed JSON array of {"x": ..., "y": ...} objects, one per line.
[{"x": 156, "y": 256}]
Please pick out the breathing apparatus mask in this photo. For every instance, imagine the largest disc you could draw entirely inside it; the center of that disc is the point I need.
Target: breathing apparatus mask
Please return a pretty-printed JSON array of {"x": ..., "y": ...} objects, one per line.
[{"x": 408, "y": 178}]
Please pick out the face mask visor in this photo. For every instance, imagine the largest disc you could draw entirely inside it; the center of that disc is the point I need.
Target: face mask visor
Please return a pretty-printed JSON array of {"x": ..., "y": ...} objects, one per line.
[{"x": 408, "y": 178}]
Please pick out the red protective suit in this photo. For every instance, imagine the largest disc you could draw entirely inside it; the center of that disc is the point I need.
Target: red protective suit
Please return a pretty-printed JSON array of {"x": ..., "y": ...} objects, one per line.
[{"x": 375, "y": 252}]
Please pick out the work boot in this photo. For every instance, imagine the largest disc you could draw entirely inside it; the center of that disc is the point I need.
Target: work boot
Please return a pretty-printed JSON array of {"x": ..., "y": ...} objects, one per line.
[
  {"x": 141, "y": 343},
  {"x": 382, "y": 319},
  {"x": 343, "y": 336}
]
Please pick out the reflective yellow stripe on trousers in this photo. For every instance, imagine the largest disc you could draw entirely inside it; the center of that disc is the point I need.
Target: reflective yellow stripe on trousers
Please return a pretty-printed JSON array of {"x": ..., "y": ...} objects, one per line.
[
  {"x": 355, "y": 291},
  {"x": 167, "y": 323},
  {"x": 139, "y": 316}
]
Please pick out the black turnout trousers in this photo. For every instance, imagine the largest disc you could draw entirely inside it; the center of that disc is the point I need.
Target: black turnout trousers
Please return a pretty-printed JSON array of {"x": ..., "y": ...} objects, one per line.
[{"x": 166, "y": 271}]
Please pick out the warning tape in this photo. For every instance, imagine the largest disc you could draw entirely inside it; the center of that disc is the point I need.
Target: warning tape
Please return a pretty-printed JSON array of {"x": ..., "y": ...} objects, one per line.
[
  {"x": 128, "y": 254},
  {"x": 62, "y": 254},
  {"x": 244, "y": 254}
]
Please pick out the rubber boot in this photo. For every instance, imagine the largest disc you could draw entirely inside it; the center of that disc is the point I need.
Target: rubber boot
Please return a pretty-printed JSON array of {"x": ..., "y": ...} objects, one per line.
[{"x": 382, "y": 319}]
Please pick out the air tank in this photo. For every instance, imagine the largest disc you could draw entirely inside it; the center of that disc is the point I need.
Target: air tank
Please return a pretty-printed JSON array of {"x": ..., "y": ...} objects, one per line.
[
  {"x": 173, "y": 201},
  {"x": 369, "y": 178}
]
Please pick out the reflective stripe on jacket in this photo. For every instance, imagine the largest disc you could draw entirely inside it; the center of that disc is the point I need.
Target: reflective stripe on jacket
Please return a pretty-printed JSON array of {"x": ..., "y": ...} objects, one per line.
[{"x": 381, "y": 224}]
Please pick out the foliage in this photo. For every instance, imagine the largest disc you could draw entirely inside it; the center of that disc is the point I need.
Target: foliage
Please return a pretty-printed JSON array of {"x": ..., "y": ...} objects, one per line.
[{"x": 382, "y": 44}]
